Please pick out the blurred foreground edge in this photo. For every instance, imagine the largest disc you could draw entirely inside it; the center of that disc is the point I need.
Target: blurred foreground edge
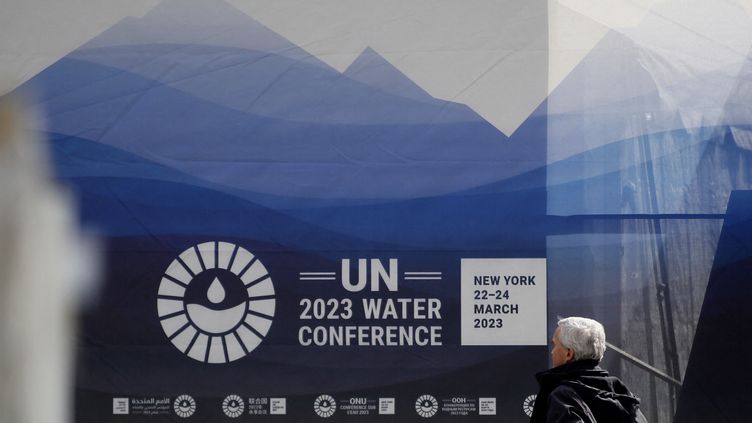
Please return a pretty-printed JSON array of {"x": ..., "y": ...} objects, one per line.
[{"x": 46, "y": 265}]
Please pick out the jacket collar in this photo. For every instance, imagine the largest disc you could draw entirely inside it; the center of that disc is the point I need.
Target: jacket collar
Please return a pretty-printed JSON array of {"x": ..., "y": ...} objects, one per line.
[{"x": 567, "y": 371}]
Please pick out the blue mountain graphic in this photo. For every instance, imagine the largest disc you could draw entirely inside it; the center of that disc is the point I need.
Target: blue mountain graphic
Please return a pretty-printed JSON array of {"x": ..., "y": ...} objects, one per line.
[
  {"x": 373, "y": 70},
  {"x": 187, "y": 110},
  {"x": 212, "y": 103},
  {"x": 192, "y": 23}
]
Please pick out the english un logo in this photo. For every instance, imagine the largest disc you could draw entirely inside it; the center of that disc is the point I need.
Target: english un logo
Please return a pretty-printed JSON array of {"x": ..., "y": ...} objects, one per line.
[{"x": 216, "y": 302}]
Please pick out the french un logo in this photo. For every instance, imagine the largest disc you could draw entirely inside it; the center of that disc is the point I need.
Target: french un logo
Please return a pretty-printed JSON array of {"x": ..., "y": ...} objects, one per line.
[
  {"x": 324, "y": 406},
  {"x": 216, "y": 302}
]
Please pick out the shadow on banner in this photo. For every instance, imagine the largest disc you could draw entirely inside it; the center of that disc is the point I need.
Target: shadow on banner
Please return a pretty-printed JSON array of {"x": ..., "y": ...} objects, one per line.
[{"x": 717, "y": 384}]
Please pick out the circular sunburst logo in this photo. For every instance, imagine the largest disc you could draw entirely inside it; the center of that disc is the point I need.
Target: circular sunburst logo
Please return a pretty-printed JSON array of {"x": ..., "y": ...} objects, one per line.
[
  {"x": 233, "y": 406},
  {"x": 426, "y": 406},
  {"x": 216, "y": 302},
  {"x": 324, "y": 406},
  {"x": 528, "y": 404},
  {"x": 184, "y": 406}
]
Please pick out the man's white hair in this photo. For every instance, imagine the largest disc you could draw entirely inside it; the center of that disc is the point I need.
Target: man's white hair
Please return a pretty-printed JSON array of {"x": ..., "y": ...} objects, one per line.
[{"x": 585, "y": 336}]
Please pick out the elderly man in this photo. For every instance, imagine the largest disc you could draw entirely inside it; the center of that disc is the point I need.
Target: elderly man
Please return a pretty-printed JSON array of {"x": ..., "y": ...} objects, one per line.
[{"x": 576, "y": 390}]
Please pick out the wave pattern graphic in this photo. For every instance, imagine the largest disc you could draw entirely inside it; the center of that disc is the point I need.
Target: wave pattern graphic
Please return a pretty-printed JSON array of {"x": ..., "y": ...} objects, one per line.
[
  {"x": 195, "y": 119},
  {"x": 232, "y": 103}
]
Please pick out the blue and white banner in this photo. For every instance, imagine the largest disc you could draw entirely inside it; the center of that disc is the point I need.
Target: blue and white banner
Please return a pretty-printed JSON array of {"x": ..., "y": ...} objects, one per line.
[{"x": 357, "y": 211}]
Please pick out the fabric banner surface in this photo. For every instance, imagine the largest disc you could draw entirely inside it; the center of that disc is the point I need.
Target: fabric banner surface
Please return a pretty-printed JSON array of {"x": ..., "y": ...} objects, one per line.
[{"x": 355, "y": 212}]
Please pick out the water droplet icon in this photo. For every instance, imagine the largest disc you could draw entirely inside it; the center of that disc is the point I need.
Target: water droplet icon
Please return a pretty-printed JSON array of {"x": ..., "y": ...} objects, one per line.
[{"x": 216, "y": 293}]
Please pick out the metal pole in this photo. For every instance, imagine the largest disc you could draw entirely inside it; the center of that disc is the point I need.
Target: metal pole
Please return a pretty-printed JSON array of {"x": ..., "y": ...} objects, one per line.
[{"x": 639, "y": 363}]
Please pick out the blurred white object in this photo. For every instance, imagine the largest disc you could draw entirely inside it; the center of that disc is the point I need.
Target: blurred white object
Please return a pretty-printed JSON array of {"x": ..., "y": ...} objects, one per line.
[{"x": 43, "y": 263}]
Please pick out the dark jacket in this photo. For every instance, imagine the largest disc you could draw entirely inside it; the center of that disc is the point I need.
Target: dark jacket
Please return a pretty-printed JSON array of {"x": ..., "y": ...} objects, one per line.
[{"x": 583, "y": 392}]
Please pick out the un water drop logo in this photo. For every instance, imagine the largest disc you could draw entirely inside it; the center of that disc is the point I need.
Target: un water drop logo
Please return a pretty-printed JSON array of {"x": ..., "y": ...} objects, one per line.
[
  {"x": 184, "y": 406},
  {"x": 216, "y": 302},
  {"x": 528, "y": 404},
  {"x": 426, "y": 406},
  {"x": 324, "y": 406}
]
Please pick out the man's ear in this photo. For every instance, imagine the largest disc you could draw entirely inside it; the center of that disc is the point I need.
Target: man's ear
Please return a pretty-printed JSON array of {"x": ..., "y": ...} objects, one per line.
[{"x": 570, "y": 355}]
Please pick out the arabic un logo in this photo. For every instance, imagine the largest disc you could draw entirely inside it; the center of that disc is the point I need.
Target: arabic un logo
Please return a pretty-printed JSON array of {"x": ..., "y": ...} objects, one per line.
[{"x": 184, "y": 406}]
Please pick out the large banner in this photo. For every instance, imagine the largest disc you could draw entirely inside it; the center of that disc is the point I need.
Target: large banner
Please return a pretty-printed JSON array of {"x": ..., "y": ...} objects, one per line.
[
  {"x": 287, "y": 241},
  {"x": 355, "y": 211}
]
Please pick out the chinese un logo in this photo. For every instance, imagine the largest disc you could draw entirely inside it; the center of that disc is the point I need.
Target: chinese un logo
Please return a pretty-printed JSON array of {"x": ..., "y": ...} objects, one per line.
[
  {"x": 233, "y": 406},
  {"x": 216, "y": 302}
]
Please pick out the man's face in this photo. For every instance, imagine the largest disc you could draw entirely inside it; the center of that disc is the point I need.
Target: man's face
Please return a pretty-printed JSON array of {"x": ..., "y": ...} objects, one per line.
[{"x": 559, "y": 354}]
